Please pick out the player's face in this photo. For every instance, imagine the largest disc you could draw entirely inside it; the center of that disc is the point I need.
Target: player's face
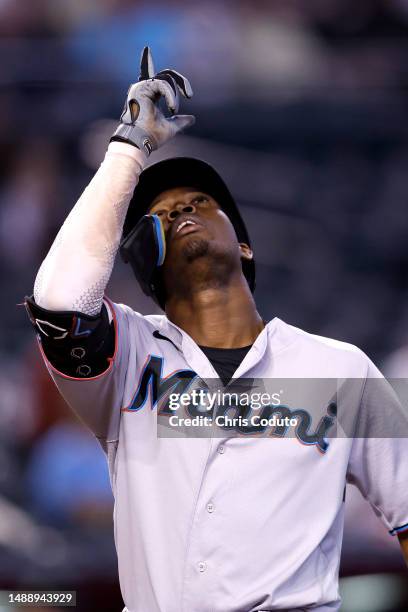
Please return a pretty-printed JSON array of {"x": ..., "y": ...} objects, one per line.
[
  {"x": 191, "y": 217},
  {"x": 198, "y": 232},
  {"x": 173, "y": 203}
]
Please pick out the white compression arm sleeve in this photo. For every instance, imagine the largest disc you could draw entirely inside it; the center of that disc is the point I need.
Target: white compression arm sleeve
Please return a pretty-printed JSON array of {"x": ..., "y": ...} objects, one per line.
[{"x": 74, "y": 274}]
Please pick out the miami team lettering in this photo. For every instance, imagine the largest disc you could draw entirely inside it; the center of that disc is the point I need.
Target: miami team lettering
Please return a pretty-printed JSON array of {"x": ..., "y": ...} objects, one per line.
[
  {"x": 234, "y": 417},
  {"x": 152, "y": 382}
]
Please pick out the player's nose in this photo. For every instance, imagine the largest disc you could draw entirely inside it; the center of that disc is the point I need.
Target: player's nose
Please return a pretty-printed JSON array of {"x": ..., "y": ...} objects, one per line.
[{"x": 180, "y": 209}]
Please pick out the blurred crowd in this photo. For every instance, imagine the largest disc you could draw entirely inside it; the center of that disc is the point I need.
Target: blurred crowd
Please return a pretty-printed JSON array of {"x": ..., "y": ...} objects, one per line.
[{"x": 302, "y": 106}]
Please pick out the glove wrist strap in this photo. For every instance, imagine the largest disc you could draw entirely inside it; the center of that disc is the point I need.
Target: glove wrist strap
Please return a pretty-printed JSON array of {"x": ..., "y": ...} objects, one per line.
[{"x": 135, "y": 135}]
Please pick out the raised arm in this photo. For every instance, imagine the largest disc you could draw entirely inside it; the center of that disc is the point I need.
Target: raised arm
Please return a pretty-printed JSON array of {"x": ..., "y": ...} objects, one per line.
[
  {"x": 70, "y": 284},
  {"x": 76, "y": 271}
]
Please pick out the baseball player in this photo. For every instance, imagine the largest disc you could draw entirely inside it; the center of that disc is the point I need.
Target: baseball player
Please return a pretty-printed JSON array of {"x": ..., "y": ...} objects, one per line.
[{"x": 211, "y": 523}]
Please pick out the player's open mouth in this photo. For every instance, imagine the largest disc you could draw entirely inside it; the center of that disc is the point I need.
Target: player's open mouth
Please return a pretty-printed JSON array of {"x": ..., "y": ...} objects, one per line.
[
  {"x": 185, "y": 227},
  {"x": 188, "y": 222}
]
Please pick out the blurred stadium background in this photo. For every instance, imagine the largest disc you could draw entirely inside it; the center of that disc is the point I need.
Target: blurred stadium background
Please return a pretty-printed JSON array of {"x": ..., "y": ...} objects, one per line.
[{"x": 302, "y": 105}]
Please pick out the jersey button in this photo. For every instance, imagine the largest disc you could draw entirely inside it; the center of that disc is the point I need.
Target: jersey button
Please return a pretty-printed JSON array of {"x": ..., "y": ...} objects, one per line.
[
  {"x": 221, "y": 449},
  {"x": 202, "y": 566},
  {"x": 210, "y": 507}
]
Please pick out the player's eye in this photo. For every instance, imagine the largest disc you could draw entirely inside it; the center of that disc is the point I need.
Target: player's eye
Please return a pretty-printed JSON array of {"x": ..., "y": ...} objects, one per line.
[{"x": 199, "y": 199}]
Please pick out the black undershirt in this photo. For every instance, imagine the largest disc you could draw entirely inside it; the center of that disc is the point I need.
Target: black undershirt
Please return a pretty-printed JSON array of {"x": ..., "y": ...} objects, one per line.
[{"x": 225, "y": 361}]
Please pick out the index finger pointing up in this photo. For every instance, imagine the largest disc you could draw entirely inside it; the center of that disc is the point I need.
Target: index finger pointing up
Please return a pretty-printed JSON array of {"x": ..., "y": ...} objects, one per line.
[{"x": 146, "y": 65}]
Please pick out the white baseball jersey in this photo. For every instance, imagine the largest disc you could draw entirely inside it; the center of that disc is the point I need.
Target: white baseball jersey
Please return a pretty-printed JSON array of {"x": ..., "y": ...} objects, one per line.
[{"x": 234, "y": 523}]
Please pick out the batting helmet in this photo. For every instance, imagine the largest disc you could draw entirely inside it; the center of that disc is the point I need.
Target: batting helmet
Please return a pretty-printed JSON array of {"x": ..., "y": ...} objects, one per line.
[{"x": 181, "y": 172}]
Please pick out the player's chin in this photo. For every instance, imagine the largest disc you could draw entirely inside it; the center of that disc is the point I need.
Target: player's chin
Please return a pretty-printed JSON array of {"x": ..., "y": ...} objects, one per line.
[{"x": 194, "y": 248}]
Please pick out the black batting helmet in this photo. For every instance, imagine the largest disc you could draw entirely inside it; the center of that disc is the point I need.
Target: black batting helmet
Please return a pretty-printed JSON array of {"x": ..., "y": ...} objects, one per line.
[{"x": 186, "y": 172}]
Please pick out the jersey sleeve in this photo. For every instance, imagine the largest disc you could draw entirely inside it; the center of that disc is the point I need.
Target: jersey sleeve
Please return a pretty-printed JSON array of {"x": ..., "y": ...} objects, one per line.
[
  {"x": 97, "y": 400},
  {"x": 378, "y": 463}
]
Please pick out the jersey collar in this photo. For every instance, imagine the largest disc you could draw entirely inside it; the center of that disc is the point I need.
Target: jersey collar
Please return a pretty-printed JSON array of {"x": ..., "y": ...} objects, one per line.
[{"x": 199, "y": 362}]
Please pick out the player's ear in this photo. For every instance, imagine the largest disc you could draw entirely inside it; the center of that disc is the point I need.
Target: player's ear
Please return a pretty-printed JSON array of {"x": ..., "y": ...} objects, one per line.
[{"x": 246, "y": 251}]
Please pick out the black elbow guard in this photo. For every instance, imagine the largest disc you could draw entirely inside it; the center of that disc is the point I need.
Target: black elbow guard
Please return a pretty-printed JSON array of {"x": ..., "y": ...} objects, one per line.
[{"x": 76, "y": 344}]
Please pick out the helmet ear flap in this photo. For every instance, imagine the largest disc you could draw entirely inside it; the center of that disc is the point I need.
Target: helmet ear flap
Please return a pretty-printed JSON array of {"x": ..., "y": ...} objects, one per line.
[{"x": 145, "y": 249}]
